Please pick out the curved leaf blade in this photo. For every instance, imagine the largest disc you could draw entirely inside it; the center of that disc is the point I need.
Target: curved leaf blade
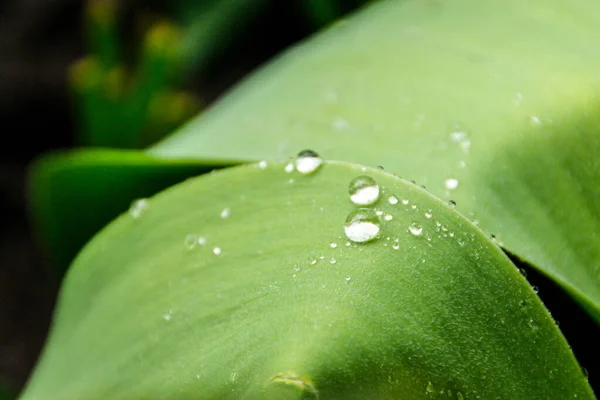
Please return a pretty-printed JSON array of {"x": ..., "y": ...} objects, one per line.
[{"x": 144, "y": 314}]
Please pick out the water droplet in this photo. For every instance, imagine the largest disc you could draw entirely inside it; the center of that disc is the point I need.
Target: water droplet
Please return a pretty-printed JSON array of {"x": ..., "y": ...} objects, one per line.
[
  {"x": 388, "y": 217},
  {"x": 138, "y": 207},
  {"x": 348, "y": 244},
  {"x": 333, "y": 245},
  {"x": 393, "y": 200},
  {"x": 535, "y": 289},
  {"x": 585, "y": 373},
  {"x": 217, "y": 251},
  {"x": 297, "y": 268},
  {"x": 312, "y": 260},
  {"x": 348, "y": 278},
  {"x": 289, "y": 168},
  {"x": 451, "y": 183},
  {"x": 225, "y": 213},
  {"x": 167, "y": 317},
  {"x": 262, "y": 164},
  {"x": 201, "y": 240},
  {"x": 415, "y": 229},
  {"x": 308, "y": 162},
  {"x": 405, "y": 202},
  {"x": 428, "y": 214},
  {"x": 533, "y": 324},
  {"x": 414, "y": 206},
  {"x": 363, "y": 190},
  {"x": 396, "y": 246},
  {"x": 362, "y": 225},
  {"x": 379, "y": 213},
  {"x": 190, "y": 241},
  {"x": 332, "y": 261},
  {"x": 523, "y": 272},
  {"x": 535, "y": 120},
  {"x": 452, "y": 203}
]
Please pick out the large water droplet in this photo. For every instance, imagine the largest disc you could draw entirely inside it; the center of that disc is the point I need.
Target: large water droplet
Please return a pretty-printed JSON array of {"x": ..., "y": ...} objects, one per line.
[
  {"x": 451, "y": 183},
  {"x": 362, "y": 225},
  {"x": 308, "y": 162},
  {"x": 138, "y": 207},
  {"x": 363, "y": 190},
  {"x": 415, "y": 229}
]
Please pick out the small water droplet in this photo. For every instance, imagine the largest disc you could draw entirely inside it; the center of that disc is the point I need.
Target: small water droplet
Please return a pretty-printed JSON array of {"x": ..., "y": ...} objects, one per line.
[
  {"x": 289, "y": 168},
  {"x": 452, "y": 203},
  {"x": 190, "y": 241},
  {"x": 322, "y": 257},
  {"x": 451, "y": 183},
  {"x": 518, "y": 98},
  {"x": 217, "y": 251},
  {"x": 362, "y": 225},
  {"x": 393, "y": 200},
  {"x": 333, "y": 245},
  {"x": 363, "y": 190},
  {"x": 535, "y": 289},
  {"x": 428, "y": 214},
  {"x": 396, "y": 246},
  {"x": 414, "y": 206},
  {"x": 348, "y": 244},
  {"x": 201, "y": 240},
  {"x": 379, "y": 213},
  {"x": 523, "y": 272},
  {"x": 297, "y": 268},
  {"x": 312, "y": 260},
  {"x": 138, "y": 207},
  {"x": 388, "y": 217},
  {"x": 225, "y": 213},
  {"x": 415, "y": 229},
  {"x": 307, "y": 162},
  {"x": 167, "y": 317},
  {"x": 332, "y": 261},
  {"x": 585, "y": 373},
  {"x": 533, "y": 324},
  {"x": 348, "y": 278},
  {"x": 405, "y": 202},
  {"x": 262, "y": 164},
  {"x": 535, "y": 120}
]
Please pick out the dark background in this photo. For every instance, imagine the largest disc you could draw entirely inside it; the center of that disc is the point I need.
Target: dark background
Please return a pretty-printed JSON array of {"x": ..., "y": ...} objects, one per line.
[{"x": 39, "y": 40}]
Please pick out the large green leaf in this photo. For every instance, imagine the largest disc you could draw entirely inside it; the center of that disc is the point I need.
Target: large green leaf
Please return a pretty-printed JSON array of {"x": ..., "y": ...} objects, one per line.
[
  {"x": 288, "y": 309},
  {"x": 492, "y": 104}
]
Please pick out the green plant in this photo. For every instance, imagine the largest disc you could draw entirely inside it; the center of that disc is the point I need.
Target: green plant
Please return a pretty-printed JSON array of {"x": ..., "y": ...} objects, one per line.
[{"x": 240, "y": 283}]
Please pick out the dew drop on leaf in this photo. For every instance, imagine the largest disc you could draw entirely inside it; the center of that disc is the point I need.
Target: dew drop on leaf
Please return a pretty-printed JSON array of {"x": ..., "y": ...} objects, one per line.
[
  {"x": 190, "y": 241},
  {"x": 363, "y": 190},
  {"x": 362, "y": 225},
  {"x": 138, "y": 207},
  {"x": 393, "y": 200},
  {"x": 307, "y": 162},
  {"x": 415, "y": 229}
]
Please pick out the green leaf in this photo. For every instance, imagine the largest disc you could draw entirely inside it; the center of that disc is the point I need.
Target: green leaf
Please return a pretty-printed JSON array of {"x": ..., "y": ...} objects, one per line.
[
  {"x": 288, "y": 308},
  {"x": 74, "y": 194},
  {"x": 491, "y": 104}
]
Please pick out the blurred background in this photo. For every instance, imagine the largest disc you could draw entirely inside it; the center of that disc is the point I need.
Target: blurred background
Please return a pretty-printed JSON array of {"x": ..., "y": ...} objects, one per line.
[
  {"x": 111, "y": 73},
  {"x": 122, "y": 74}
]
